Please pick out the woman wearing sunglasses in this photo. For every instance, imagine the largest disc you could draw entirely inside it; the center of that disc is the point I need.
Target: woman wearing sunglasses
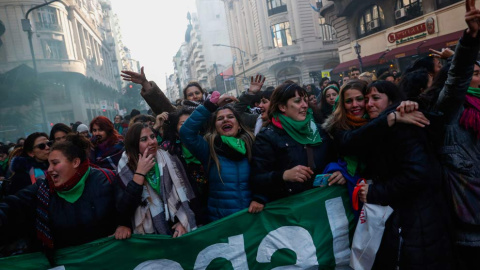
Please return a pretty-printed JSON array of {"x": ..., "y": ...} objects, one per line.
[{"x": 31, "y": 164}]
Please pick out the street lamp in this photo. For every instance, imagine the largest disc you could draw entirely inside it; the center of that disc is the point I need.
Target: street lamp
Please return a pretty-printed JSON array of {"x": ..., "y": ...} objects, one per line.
[
  {"x": 358, "y": 50},
  {"x": 27, "y": 27},
  {"x": 245, "y": 80}
]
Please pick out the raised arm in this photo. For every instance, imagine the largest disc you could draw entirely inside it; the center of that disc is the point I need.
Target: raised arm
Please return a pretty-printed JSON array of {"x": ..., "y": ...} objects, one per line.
[
  {"x": 152, "y": 94},
  {"x": 190, "y": 134},
  {"x": 452, "y": 96}
]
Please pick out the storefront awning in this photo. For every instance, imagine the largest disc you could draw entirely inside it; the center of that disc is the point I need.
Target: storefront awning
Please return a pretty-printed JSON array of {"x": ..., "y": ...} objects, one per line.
[
  {"x": 411, "y": 49},
  {"x": 369, "y": 60},
  {"x": 423, "y": 46}
]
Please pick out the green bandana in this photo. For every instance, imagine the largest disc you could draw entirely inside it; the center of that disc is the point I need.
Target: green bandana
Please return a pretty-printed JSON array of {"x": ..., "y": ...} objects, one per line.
[
  {"x": 474, "y": 92},
  {"x": 353, "y": 165},
  {"x": 189, "y": 158},
  {"x": 4, "y": 164},
  {"x": 304, "y": 132},
  {"x": 74, "y": 194},
  {"x": 235, "y": 143},
  {"x": 153, "y": 178}
]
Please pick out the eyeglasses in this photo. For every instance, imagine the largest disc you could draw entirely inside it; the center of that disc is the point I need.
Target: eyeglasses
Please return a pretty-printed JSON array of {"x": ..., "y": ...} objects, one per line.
[{"x": 42, "y": 146}]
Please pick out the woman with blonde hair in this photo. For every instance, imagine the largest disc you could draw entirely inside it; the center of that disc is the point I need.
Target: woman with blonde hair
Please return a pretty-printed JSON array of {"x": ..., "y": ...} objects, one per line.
[{"x": 224, "y": 152}]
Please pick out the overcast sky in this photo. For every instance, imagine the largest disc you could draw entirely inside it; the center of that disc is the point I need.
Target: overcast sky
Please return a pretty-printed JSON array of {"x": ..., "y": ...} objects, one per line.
[{"x": 154, "y": 30}]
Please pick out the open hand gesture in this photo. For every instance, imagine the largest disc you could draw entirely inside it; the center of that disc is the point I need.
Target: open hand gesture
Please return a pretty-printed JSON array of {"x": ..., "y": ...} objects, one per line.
[
  {"x": 256, "y": 83},
  {"x": 138, "y": 78},
  {"x": 472, "y": 18}
]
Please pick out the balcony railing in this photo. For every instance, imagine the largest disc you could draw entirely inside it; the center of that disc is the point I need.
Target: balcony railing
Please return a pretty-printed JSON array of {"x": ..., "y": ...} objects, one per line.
[
  {"x": 277, "y": 10},
  {"x": 48, "y": 27}
]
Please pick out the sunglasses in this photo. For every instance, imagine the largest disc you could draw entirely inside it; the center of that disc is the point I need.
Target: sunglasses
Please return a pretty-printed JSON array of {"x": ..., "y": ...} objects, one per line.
[{"x": 42, "y": 146}]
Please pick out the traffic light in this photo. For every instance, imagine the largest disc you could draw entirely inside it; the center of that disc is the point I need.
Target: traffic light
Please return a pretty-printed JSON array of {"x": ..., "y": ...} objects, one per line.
[
  {"x": 221, "y": 74},
  {"x": 130, "y": 86}
]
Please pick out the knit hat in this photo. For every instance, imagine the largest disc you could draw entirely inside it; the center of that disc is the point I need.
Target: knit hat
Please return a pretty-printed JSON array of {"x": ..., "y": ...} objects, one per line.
[{"x": 82, "y": 128}]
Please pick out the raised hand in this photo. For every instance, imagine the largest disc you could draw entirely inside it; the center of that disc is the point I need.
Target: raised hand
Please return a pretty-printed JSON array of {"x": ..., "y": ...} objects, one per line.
[
  {"x": 225, "y": 99},
  {"x": 160, "y": 119},
  {"x": 445, "y": 53},
  {"x": 138, "y": 78},
  {"x": 256, "y": 83},
  {"x": 472, "y": 18}
]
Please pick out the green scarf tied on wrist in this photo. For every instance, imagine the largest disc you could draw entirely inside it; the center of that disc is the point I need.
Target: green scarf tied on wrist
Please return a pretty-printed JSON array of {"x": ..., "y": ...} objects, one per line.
[
  {"x": 235, "y": 143},
  {"x": 474, "y": 92},
  {"x": 304, "y": 132},
  {"x": 188, "y": 156},
  {"x": 74, "y": 193}
]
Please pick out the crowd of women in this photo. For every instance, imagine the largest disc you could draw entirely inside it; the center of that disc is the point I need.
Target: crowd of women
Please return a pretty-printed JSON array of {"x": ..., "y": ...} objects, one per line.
[{"x": 417, "y": 143}]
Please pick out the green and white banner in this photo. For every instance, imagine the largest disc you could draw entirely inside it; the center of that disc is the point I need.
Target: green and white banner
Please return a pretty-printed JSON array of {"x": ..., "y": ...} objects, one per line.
[{"x": 312, "y": 230}]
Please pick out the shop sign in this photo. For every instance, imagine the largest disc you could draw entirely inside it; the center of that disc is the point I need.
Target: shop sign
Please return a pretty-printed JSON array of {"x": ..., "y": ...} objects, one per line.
[{"x": 415, "y": 32}]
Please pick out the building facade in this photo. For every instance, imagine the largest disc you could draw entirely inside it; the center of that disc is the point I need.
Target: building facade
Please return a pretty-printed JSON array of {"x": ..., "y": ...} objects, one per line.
[
  {"x": 392, "y": 33},
  {"x": 75, "y": 51},
  {"x": 280, "y": 39}
]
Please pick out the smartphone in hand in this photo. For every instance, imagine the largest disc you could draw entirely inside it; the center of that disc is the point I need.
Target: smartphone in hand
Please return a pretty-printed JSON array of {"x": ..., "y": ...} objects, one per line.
[{"x": 321, "y": 180}]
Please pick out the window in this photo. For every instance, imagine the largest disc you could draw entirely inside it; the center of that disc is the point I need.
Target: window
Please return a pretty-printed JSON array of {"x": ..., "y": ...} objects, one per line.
[
  {"x": 88, "y": 45},
  {"x": 47, "y": 19},
  {"x": 276, "y": 6},
  {"x": 444, "y": 3},
  {"x": 281, "y": 35},
  {"x": 371, "y": 21},
  {"x": 327, "y": 31},
  {"x": 54, "y": 49},
  {"x": 407, "y": 9}
]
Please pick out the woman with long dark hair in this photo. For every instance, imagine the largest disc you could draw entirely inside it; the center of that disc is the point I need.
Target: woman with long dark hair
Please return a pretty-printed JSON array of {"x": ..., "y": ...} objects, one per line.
[
  {"x": 107, "y": 143},
  {"x": 162, "y": 205},
  {"x": 225, "y": 153}
]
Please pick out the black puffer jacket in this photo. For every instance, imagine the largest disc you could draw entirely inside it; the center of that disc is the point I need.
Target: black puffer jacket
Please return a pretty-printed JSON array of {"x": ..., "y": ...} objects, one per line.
[
  {"x": 407, "y": 176},
  {"x": 274, "y": 152},
  {"x": 94, "y": 215}
]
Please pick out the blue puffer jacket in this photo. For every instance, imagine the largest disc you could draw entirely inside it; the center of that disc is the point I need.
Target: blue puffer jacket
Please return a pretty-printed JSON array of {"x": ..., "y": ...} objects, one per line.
[{"x": 229, "y": 194}]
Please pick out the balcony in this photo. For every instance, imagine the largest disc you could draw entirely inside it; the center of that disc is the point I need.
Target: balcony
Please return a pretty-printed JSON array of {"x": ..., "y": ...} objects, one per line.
[
  {"x": 48, "y": 27},
  {"x": 277, "y": 10}
]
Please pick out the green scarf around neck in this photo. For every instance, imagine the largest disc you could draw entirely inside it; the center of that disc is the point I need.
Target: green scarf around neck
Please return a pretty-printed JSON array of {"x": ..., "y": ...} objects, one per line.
[
  {"x": 304, "y": 132},
  {"x": 4, "y": 164},
  {"x": 74, "y": 194},
  {"x": 235, "y": 143},
  {"x": 154, "y": 178},
  {"x": 188, "y": 156},
  {"x": 474, "y": 92}
]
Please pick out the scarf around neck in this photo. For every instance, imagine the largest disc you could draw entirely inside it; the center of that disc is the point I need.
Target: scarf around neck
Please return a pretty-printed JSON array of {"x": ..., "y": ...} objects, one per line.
[
  {"x": 356, "y": 122},
  {"x": 82, "y": 172},
  {"x": 73, "y": 194},
  {"x": 304, "y": 132},
  {"x": 4, "y": 164},
  {"x": 470, "y": 118},
  {"x": 154, "y": 178},
  {"x": 224, "y": 149}
]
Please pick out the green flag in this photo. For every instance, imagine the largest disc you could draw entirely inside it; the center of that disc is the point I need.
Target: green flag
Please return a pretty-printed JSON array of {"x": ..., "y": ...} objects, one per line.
[{"x": 312, "y": 230}]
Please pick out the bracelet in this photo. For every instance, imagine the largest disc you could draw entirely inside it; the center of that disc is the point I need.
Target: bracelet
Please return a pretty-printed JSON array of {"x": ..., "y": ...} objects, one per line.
[
  {"x": 395, "y": 115},
  {"x": 144, "y": 176}
]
